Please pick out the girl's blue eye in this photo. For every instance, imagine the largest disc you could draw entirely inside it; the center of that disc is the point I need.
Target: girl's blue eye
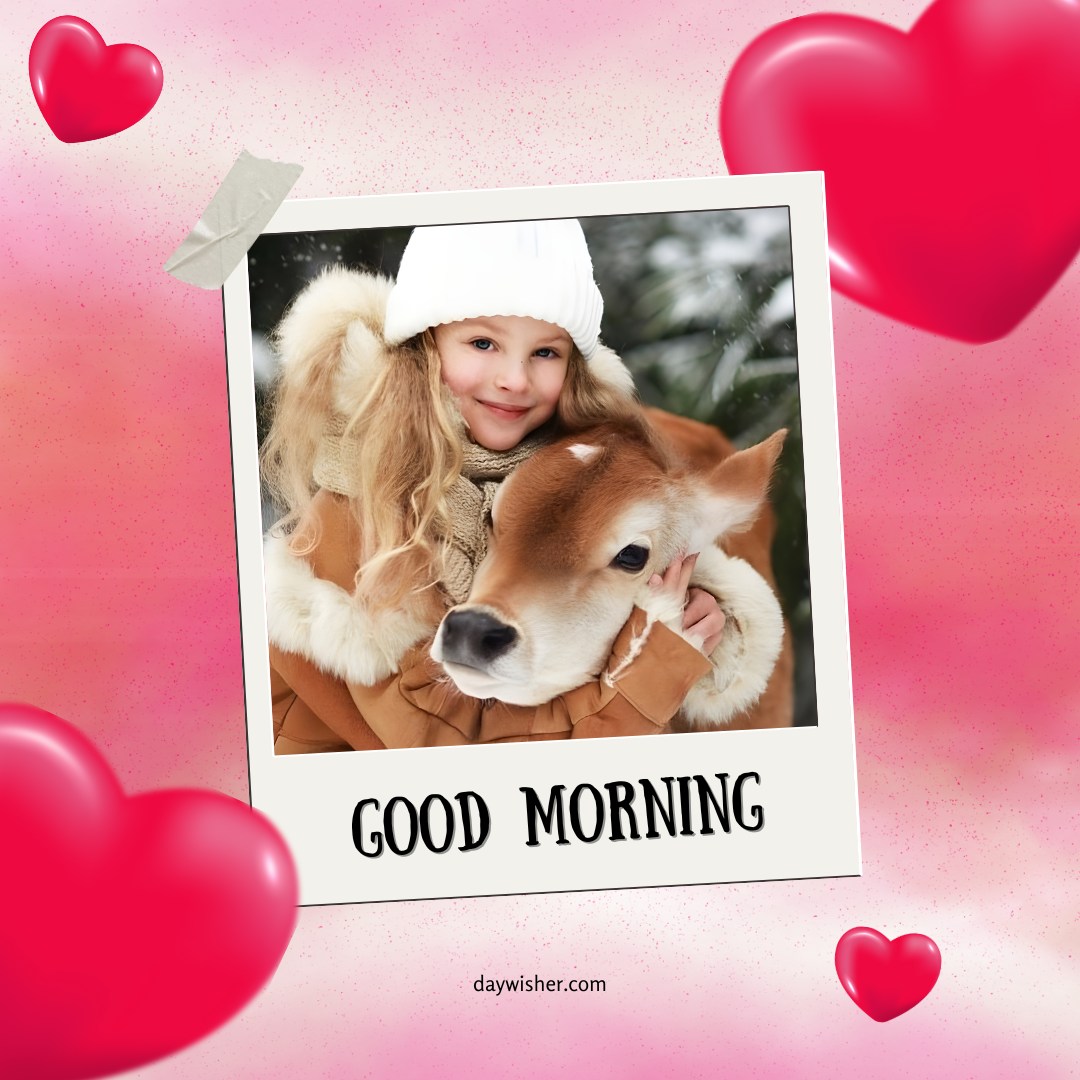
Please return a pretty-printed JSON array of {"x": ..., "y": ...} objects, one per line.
[
  {"x": 483, "y": 344},
  {"x": 545, "y": 352}
]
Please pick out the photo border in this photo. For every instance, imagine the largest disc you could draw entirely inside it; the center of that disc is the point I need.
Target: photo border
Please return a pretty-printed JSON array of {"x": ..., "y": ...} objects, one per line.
[{"x": 806, "y": 779}]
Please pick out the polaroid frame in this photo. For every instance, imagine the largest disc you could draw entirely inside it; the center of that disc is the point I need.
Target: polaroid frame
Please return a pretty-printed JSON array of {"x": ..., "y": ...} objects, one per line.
[{"x": 795, "y": 787}]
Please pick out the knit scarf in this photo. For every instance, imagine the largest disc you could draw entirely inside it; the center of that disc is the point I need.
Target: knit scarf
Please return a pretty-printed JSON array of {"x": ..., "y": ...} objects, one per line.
[{"x": 469, "y": 499}]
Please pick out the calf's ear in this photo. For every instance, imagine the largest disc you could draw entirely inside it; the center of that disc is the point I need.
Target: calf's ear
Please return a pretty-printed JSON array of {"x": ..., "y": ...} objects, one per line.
[{"x": 735, "y": 490}]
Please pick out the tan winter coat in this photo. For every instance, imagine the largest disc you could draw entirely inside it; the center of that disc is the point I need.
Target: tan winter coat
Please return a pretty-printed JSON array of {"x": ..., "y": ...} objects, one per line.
[{"x": 342, "y": 679}]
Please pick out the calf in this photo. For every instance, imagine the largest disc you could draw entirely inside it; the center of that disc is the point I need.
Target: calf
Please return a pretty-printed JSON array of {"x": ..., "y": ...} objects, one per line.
[{"x": 577, "y": 532}]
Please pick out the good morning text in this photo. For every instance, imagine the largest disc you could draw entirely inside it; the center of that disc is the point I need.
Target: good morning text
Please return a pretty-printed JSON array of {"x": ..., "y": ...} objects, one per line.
[{"x": 619, "y": 810}]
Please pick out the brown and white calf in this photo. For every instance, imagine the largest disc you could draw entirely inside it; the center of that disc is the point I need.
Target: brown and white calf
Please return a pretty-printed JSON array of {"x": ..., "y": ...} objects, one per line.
[{"x": 578, "y": 530}]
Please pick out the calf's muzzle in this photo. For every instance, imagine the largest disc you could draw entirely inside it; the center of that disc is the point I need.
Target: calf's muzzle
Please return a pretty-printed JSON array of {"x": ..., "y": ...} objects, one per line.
[{"x": 475, "y": 638}]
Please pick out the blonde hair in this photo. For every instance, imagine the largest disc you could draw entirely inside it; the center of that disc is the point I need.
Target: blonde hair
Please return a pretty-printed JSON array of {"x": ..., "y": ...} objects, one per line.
[{"x": 412, "y": 436}]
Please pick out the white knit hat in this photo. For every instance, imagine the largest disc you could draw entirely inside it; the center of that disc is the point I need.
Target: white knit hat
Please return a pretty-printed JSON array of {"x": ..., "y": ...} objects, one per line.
[{"x": 540, "y": 269}]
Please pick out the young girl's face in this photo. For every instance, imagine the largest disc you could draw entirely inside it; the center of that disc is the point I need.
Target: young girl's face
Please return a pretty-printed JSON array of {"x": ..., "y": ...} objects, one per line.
[{"x": 506, "y": 371}]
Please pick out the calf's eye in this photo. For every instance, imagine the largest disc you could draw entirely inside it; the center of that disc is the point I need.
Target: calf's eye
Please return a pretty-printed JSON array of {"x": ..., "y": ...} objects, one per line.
[{"x": 633, "y": 557}]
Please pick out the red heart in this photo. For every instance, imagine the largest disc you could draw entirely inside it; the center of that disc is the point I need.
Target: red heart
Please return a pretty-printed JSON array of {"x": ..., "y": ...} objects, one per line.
[
  {"x": 950, "y": 152},
  {"x": 86, "y": 89},
  {"x": 886, "y": 978},
  {"x": 129, "y": 927}
]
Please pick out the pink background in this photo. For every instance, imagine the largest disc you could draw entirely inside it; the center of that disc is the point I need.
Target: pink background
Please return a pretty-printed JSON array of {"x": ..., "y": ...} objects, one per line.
[{"x": 959, "y": 472}]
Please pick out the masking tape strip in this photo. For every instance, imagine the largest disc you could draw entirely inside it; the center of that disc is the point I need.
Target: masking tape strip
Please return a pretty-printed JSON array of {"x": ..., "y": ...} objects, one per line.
[{"x": 239, "y": 211}]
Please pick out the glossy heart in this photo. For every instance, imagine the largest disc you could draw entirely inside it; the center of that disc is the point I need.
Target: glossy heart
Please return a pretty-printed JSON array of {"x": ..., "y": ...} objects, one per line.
[
  {"x": 129, "y": 927},
  {"x": 86, "y": 89},
  {"x": 886, "y": 978},
  {"x": 950, "y": 152}
]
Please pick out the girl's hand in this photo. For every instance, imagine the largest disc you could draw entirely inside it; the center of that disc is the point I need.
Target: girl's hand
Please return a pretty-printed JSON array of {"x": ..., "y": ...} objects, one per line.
[{"x": 702, "y": 620}]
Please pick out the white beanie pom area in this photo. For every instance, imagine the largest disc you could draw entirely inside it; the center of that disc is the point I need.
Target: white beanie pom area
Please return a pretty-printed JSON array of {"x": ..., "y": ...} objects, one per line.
[{"x": 538, "y": 269}]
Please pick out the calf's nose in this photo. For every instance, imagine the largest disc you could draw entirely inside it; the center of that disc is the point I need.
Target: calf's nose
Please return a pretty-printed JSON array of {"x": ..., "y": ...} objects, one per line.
[{"x": 475, "y": 638}]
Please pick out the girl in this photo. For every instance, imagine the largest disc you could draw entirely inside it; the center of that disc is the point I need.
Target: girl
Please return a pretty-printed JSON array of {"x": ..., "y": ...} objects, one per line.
[{"x": 400, "y": 409}]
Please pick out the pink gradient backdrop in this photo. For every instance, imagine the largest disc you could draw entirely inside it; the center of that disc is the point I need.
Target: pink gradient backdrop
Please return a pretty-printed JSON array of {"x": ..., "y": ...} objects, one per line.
[{"x": 959, "y": 470}]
